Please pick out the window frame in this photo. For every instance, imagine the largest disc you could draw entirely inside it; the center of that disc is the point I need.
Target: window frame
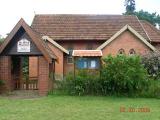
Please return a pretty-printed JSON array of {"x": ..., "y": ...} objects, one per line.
[
  {"x": 88, "y": 60},
  {"x": 121, "y": 50},
  {"x": 70, "y": 57},
  {"x": 132, "y": 50}
]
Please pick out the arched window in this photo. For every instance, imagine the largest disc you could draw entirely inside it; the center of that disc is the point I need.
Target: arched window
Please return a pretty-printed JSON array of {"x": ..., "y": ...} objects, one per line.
[
  {"x": 132, "y": 52},
  {"x": 121, "y": 51}
]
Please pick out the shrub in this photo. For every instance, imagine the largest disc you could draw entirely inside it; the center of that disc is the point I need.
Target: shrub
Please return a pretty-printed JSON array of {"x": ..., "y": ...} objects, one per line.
[
  {"x": 84, "y": 82},
  {"x": 2, "y": 86},
  {"x": 123, "y": 75},
  {"x": 151, "y": 62},
  {"x": 153, "y": 89},
  {"x": 119, "y": 75},
  {"x": 1, "y": 82}
]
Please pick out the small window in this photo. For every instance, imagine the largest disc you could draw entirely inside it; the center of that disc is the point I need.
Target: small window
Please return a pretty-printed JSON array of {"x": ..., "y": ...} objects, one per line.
[
  {"x": 85, "y": 64},
  {"x": 70, "y": 60},
  {"x": 132, "y": 52},
  {"x": 81, "y": 63},
  {"x": 121, "y": 51},
  {"x": 88, "y": 63}
]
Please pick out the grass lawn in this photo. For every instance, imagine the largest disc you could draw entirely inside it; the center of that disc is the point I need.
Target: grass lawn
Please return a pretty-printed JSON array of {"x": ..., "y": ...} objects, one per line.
[{"x": 58, "y": 107}]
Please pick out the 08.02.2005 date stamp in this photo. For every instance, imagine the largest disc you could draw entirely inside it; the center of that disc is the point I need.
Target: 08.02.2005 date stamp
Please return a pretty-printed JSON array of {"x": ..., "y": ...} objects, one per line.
[{"x": 134, "y": 109}]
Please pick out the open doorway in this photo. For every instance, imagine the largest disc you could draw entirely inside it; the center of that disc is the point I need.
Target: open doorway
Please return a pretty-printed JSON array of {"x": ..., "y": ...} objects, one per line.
[
  {"x": 16, "y": 72},
  {"x": 20, "y": 74}
]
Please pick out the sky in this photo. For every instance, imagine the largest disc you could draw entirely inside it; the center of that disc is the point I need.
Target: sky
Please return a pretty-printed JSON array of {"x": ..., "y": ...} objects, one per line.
[{"x": 12, "y": 10}]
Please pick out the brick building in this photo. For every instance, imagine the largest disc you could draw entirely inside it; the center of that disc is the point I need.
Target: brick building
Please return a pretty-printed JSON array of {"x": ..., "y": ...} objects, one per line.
[{"x": 59, "y": 39}]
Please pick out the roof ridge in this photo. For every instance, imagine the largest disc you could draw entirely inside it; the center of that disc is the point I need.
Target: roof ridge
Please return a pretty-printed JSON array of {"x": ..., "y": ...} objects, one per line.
[
  {"x": 81, "y": 14},
  {"x": 152, "y": 27},
  {"x": 144, "y": 29}
]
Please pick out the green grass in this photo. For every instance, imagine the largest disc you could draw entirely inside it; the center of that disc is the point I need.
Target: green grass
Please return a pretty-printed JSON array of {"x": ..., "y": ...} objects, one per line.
[{"x": 58, "y": 107}]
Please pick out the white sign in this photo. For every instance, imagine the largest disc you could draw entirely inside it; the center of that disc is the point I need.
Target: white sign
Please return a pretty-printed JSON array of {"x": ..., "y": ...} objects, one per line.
[{"x": 23, "y": 45}]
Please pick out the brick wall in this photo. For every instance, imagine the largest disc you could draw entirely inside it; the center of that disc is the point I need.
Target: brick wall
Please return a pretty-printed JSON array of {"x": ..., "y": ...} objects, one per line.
[
  {"x": 77, "y": 45},
  {"x": 5, "y": 72},
  {"x": 126, "y": 41},
  {"x": 43, "y": 76},
  {"x": 68, "y": 67},
  {"x": 81, "y": 44},
  {"x": 61, "y": 66},
  {"x": 59, "y": 70}
]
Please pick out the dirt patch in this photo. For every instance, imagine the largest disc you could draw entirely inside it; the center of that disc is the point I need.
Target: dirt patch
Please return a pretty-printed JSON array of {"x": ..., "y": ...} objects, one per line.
[{"x": 21, "y": 94}]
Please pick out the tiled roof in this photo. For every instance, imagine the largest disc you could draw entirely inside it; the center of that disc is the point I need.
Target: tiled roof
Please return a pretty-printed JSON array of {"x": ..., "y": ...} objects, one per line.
[
  {"x": 153, "y": 33},
  {"x": 79, "y": 27},
  {"x": 87, "y": 53}
]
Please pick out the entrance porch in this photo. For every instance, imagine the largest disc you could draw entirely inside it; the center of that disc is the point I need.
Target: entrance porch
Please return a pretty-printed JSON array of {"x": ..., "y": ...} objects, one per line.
[{"x": 19, "y": 45}]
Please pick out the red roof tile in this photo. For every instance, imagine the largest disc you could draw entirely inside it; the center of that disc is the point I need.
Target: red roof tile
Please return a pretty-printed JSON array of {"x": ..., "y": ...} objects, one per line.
[
  {"x": 79, "y": 27},
  {"x": 153, "y": 33},
  {"x": 87, "y": 53}
]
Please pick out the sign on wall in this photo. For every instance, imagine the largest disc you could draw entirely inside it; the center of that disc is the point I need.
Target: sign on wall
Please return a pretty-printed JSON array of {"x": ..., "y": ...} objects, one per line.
[{"x": 23, "y": 45}]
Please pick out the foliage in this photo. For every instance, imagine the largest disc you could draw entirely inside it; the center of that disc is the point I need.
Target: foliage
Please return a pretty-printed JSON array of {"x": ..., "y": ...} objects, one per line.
[
  {"x": 151, "y": 62},
  {"x": 1, "y": 39},
  {"x": 65, "y": 86},
  {"x": 123, "y": 75},
  {"x": 153, "y": 89},
  {"x": 84, "y": 82},
  {"x": 1, "y": 82},
  {"x": 25, "y": 67},
  {"x": 120, "y": 75},
  {"x": 2, "y": 87},
  {"x": 152, "y": 18},
  {"x": 130, "y": 6}
]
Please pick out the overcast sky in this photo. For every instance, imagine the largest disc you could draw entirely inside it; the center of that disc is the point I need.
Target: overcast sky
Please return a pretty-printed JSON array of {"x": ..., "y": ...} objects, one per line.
[{"x": 12, "y": 10}]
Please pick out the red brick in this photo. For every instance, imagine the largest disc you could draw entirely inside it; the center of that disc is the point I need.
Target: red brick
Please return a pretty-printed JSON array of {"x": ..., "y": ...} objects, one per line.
[
  {"x": 43, "y": 76},
  {"x": 5, "y": 72},
  {"x": 126, "y": 41}
]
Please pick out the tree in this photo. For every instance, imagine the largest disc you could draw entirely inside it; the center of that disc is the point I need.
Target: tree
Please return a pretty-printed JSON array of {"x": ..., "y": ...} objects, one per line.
[
  {"x": 1, "y": 39},
  {"x": 130, "y": 7},
  {"x": 152, "y": 18}
]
